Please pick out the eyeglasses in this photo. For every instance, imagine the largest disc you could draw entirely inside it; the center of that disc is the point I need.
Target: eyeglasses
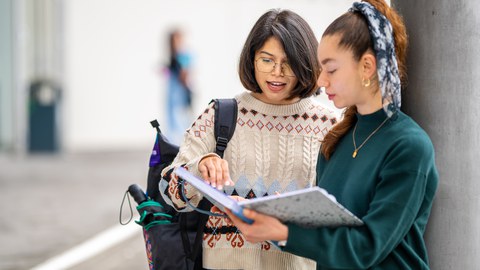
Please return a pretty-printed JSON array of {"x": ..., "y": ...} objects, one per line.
[{"x": 267, "y": 65}]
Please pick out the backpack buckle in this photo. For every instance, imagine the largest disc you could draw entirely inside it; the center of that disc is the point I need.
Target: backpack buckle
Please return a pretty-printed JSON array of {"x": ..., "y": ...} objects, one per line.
[{"x": 221, "y": 144}]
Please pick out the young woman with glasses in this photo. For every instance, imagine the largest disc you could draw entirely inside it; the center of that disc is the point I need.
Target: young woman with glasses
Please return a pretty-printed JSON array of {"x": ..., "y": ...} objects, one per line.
[{"x": 275, "y": 145}]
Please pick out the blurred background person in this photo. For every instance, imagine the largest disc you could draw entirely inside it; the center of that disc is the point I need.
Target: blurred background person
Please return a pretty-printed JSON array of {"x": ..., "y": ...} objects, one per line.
[{"x": 179, "y": 92}]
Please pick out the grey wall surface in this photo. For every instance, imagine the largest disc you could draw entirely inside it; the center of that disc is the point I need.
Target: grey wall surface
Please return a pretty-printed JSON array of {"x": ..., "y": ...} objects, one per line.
[
  {"x": 6, "y": 95},
  {"x": 443, "y": 96}
]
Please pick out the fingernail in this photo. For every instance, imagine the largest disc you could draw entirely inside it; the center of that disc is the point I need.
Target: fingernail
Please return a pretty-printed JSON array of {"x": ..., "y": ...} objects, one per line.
[{"x": 219, "y": 187}]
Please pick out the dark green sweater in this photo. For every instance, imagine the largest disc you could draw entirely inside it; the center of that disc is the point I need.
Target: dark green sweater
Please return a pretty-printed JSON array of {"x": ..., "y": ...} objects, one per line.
[{"x": 390, "y": 185}]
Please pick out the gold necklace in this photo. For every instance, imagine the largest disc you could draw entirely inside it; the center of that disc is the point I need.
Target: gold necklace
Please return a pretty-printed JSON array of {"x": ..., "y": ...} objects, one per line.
[{"x": 369, "y": 136}]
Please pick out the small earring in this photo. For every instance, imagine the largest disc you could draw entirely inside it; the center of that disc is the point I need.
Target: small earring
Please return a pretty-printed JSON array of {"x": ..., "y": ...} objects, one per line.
[{"x": 366, "y": 82}]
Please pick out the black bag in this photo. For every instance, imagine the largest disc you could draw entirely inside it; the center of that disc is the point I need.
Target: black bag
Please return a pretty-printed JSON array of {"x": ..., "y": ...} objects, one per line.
[{"x": 173, "y": 240}]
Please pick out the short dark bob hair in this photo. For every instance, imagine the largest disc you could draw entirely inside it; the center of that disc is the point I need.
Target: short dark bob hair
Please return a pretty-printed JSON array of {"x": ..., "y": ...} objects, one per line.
[{"x": 300, "y": 46}]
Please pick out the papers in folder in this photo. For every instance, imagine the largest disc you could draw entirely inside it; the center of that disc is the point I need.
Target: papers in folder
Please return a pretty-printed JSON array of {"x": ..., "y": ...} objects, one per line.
[{"x": 311, "y": 207}]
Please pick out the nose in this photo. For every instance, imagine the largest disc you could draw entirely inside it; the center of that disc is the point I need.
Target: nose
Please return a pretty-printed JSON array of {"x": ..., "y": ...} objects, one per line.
[
  {"x": 277, "y": 69},
  {"x": 322, "y": 81}
]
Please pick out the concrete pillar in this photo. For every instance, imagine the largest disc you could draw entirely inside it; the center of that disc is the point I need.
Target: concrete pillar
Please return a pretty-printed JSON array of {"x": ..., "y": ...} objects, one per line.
[
  {"x": 6, "y": 64},
  {"x": 443, "y": 96}
]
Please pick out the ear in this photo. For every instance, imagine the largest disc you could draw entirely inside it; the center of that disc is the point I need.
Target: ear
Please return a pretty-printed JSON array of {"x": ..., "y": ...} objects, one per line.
[{"x": 368, "y": 64}]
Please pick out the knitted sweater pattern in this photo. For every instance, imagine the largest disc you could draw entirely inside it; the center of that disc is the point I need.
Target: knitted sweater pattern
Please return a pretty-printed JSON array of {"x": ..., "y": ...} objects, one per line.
[{"x": 274, "y": 149}]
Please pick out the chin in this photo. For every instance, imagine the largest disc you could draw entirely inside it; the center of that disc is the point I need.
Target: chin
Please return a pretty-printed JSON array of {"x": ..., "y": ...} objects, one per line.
[
  {"x": 338, "y": 105},
  {"x": 272, "y": 98}
]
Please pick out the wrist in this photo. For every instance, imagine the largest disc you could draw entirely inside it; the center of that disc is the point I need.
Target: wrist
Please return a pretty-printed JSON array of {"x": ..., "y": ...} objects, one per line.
[
  {"x": 207, "y": 156},
  {"x": 283, "y": 234}
]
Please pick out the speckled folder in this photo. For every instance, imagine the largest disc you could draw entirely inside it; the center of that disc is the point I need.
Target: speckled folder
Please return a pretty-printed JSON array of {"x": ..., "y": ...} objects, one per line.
[{"x": 311, "y": 207}]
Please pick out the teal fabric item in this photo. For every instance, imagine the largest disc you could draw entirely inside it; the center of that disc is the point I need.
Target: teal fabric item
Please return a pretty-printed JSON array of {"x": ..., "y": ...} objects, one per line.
[{"x": 390, "y": 185}]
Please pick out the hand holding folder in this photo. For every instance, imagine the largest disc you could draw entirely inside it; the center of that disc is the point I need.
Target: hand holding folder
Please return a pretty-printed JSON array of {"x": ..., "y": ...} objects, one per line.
[{"x": 310, "y": 207}]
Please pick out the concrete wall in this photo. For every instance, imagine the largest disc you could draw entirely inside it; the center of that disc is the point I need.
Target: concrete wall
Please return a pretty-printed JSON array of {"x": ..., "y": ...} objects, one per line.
[
  {"x": 443, "y": 96},
  {"x": 6, "y": 63}
]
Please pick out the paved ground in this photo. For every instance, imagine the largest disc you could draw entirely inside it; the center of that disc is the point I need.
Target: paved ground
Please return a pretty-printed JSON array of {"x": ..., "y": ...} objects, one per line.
[{"x": 52, "y": 203}]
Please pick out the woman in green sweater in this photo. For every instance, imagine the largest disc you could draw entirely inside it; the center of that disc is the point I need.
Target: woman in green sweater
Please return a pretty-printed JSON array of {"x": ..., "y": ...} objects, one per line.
[{"x": 377, "y": 161}]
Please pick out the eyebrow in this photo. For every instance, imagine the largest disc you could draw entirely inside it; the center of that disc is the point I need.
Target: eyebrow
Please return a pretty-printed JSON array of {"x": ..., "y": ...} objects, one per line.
[
  {"x": 326, "y": 61},
  {"x": 266, "y": 53},
  {"x": 285, "y": 58}
]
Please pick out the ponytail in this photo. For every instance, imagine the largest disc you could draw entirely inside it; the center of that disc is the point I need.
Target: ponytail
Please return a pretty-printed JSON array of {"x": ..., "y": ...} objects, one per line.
[
  {"x": 399, "y": 35},
  {"x": 332, "y": 138}
]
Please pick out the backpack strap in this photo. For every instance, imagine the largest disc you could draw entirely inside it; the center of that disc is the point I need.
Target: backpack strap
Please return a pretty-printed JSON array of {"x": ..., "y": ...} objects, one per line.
[
  {"x": 226, "y": 111},
  {"x": 225, "y": 122}
]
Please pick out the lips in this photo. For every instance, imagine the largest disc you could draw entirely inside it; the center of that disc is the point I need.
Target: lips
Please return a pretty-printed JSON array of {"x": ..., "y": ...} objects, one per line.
[
  {"x": 330, "y": 96},
  {"x": 276, "y": 86}
]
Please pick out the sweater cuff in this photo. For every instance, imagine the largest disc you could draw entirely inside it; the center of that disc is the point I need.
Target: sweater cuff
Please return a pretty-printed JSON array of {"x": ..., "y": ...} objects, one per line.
[
  {"x": 293, "y": 231},
  {"x": 192, "y": 166}
]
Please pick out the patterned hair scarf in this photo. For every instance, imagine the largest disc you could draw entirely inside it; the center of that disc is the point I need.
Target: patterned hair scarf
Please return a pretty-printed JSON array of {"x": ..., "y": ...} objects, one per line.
[{"x": 384, "y": 45}]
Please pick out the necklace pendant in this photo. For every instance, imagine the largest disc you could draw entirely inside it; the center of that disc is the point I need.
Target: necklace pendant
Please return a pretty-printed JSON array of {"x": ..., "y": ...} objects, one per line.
[{"x": 354, "y": 154}]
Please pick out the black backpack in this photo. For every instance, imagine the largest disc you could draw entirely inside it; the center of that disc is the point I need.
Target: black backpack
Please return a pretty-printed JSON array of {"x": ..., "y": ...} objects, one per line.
[{"x": 174, "y": 239}]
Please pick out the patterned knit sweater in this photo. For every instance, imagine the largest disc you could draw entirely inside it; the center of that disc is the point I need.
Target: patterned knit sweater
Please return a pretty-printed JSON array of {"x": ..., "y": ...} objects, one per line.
[{"x": 274, "y": 149}]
